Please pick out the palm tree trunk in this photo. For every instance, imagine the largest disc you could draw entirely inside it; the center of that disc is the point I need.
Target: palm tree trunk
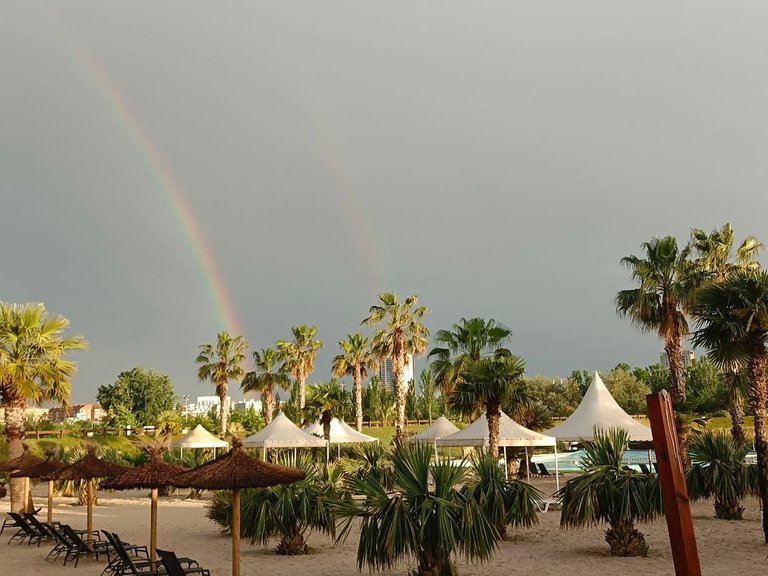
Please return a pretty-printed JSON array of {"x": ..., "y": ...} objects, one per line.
[
  {"x": 326, "y": 420},
  {"x": 735, "y": 406},
  {"x": 673, "y": 349},
  {"x": 300, "y": 380},
  {"x": 223, "y": 407},
  {"x": 398, "y": 362},
  {"x": 14, "y": 433},
  {"x": 758, "y": 397},
  {"x": 625, "y": 540},
  {"x": 357, "y": 391},
  {"x": 493, "y": 416},
  {"x": 269, "y": 403}
]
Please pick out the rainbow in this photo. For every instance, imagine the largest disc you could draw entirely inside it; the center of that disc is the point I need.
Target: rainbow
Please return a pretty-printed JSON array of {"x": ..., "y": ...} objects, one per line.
[{"x": 167, "y": 183}]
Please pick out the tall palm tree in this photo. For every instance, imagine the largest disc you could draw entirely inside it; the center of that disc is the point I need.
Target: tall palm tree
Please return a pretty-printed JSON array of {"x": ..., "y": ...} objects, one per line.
[
  {"x": 33, "y": 367},
  {"x": 489, "y": 383},
  {"x": 717, "y": 259},
  {"x": 402, "y": 333},
  {"x": 732, "y": 323},
  {"x": 356, "y": 360},
  {"x": 667, "y": 280},
  {"x": 298, "y": 357},
  {"x": 267, "y": 375},
  {"x": 327, "y": 401},
  {"x": 219, "y": 364},
  {"x": 467, "y": 341}
]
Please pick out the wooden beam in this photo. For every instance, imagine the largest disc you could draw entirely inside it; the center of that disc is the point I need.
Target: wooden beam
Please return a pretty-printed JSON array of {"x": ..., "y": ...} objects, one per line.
[{"x": 677, "y": 508}]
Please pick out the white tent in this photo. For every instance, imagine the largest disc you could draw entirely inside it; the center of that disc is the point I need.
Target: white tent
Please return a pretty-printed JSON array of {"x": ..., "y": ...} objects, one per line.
[
  {"x": 510, "y": 434},
  {"x": 438, "y": 429},
  {"x": 199, "y": 437},
  {"x": 341, "y": 433},
  {"x": 599, "y": 410},
  {"x": 282, "y": 433}
]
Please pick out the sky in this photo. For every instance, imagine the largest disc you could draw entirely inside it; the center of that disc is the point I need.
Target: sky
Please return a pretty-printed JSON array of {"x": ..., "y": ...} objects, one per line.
[{"x": 169, "y": 170}]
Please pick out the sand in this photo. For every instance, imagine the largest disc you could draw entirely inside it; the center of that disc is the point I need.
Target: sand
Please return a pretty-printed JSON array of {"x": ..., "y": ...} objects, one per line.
[{"x": 724, "y": 547}]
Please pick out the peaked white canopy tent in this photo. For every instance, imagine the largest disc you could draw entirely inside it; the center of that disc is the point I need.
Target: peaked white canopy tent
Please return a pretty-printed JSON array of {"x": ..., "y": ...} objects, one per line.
[
  {"x": 440, "y": 428},
  {"x": 199, "y": 437},
  {"x": 341, "y": 433},
  {"x": 282, "y": 433},
  {"x": 510, "y": 434},
  {"x": 598, "y": 409}
]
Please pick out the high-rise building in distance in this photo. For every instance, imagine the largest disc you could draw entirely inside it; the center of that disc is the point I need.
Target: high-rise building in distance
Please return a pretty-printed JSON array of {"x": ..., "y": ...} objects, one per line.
[{"x": 385, "y": 372}]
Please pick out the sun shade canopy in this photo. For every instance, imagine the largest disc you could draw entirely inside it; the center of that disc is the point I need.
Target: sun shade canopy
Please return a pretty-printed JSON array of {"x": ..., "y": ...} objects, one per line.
[
  {"x": 341, "y": 433},
  {"x": 440, "y": 428},
  {"x": 282, "y": 433},
  {"x": 510, "y": 434},
  {"x": 199, "y": 437}
]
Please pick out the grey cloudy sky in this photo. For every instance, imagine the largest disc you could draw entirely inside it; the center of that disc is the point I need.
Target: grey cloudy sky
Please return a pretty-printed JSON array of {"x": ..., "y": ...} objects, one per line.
[{"x": 496, "y": 158}]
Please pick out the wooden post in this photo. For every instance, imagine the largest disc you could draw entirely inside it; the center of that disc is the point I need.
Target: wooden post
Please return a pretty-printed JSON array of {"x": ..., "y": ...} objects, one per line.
[
  {"x": 50, "y": 501},
  {"x": 153, "y": 528},
  {"x": 89, "y": 497},
  {"x": 236, "y": 533},
  {"x": 673, "y": 490}
]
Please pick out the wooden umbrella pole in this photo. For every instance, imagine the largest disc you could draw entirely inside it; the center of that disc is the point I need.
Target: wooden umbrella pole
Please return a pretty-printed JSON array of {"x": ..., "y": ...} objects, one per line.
[
  {"x": 89, "y": 497},
  {"x": 153, "y": 528},
  {"x": 236, "y": 533},
  {"x": 50, "y": 501}
]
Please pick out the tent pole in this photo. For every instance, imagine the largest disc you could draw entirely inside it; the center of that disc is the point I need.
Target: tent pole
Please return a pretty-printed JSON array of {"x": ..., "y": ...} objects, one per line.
[
  {"x": 264, "y": 453},
  {"x": 527, "y": 466},
  {"x": 650, "y": 462},
  {"x": 436, "y": 456},
  {"x": 557, "y": 471},
  {"x": 506, "y": 467}
]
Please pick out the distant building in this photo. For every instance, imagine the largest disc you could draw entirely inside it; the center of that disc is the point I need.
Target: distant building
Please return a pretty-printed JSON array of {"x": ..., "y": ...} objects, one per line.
[
  {"x": 79, "y": 412},
  {"x": 388, "y": 379},
  {"x": 245, "y": 405},
  {"x": 687, "y": 356},
  {"x": 203, "y": 404},
  {"x": 34, "y": 412}
]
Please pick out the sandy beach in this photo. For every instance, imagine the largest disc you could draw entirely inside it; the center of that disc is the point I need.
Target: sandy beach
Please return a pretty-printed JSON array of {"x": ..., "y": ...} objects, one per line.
[{"x": 724, "y": 547}]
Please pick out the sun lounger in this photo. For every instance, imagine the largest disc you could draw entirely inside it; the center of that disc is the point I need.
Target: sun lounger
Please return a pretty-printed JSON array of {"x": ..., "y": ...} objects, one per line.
[
  {"x": 544, "y": 471},
  {"x": 9, "y": 522},
  {"x": 115, "y": 565},
  {"x": 25, "y": 531},
  {"x": 173, "y": 567},
  {"x": 644, "y": 469},
  {"x": 78, "y": 547}
]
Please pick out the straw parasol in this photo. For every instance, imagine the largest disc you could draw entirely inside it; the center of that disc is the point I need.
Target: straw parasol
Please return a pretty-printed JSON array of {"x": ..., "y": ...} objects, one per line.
[
  {"x": 152, "y": 475},
  {"x": 45, "y": 470},
  {"x": 235, "y": 471},
  {"x": 24, "y": 461},
  {"x": 87, "y": 468}
]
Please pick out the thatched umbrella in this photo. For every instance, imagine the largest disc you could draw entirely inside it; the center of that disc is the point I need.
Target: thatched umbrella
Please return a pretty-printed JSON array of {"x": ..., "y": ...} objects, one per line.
[
  {"x": 24, "y": 461},
  {"x": 88, "y": 468},
  {"x": 154, "y": 474},
  {"x": 235, "y": 471},
  {"x": 45, "y": 470}
]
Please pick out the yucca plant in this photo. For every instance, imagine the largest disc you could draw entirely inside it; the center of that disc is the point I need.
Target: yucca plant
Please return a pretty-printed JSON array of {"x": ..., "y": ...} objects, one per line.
[
  {"x": 370, "y": 459},
  {"x": 504, "y": 501},
  {"x": 718, "y": 471},
  {"x": 605, "y": 493},
  {"x": 287, "y": 512},
  {"x": 432, "y": 524}
]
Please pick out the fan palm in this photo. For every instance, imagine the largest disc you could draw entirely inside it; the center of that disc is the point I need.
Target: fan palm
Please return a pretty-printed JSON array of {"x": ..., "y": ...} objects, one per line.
[
  {"x": 717, "y": 259},
  {"x": 605, "y": 493},
  {"x": 667, "y": 280},
  {"x": 267, "y": 375},
  {"x": 298, "y": 357},
  {"x": 219, "y": 364},
  {"x": 732, "y": 323},
  {"x": 355, "y": 360},
  {"x": 503, "y": 501},
  {"x": 718, "y": 470},
  {"x": 488, "y": 383},
  {"x": 327, "y": 401},
  {"x": 467, "y": 341},
  {"x": 33, "y": 367},
  {"x": 402, "y": 334},
  {"x": 414, "y": 520}
]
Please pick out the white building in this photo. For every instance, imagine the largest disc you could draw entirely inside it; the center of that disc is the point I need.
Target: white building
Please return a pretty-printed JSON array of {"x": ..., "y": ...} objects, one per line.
[
  {"x": 203, "y": 404},
  {"x": 687, "y": 357},
  {"x": 245, "y": 405},
  {"x": 385, "y": 372}
]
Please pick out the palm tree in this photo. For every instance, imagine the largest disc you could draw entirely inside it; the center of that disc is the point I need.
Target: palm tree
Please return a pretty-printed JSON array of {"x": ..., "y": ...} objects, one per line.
[
  {"x": 266, "y": 376},
  {"x": 402, "y": 334},
  {"x": 489, "y": 383},
  {"x": 467, "y": 341},
  {"x": 219, "y": 365},
  {"x": 431, "y": 524},
  {"x": 718, "y": 470},
  {"x": 327, "y": 401},
  {"x": 33, "y": 367},
  {"x": 732, "y": 323},
  {"x": 717, "y": 259},
  {"x": 356, "y": 360},
  {"x": 667, "y": 280},
  {"x": 298, "y": 357},
  {"x": 605, "y": 493}
]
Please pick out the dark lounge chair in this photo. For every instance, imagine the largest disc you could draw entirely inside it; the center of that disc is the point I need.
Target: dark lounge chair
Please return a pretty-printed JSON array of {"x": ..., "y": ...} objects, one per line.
[
  {"x": 78, "y": 547},
  {"x": 173, "y": 567},
  {"x": 25, "y": 531},
  {"x": 9, "y": 522},
  {"x": 644, "y": 469},
  {"x": 115, "y": 565},
  {"x": 543, "y": 470}
]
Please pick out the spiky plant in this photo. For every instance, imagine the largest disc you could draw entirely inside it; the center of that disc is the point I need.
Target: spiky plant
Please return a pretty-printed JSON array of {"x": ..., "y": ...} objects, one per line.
[
  {"x": 430, "y": 523},
  {"x": 719, "y": 471},
  {"x": 606, "y": 494},
  {"x": 504, "y": 501}
]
